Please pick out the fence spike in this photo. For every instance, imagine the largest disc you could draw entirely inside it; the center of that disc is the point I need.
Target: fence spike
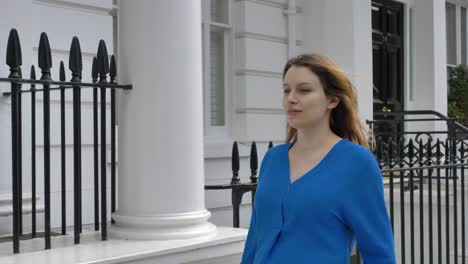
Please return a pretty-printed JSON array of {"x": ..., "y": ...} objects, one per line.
[
  {"x": 75, "y": 60},
  {"x": 45, "y": 55},
  {"x": 462, "y": 152},
  {"x": 411, "y": 149},
  {"x": 447, "y": 150},
  {"x": 253, "y": 162},
  {"x": 62, "y": 72},
  {"x": 235, "y": 163},
  {"x": 270, "y": 145},
  {"x": 13, "y": 58},
  {"x": 421, "y": 150},
  {"x": 438, "y": 153},
  {"x": 102, "y": 59},
  {"x": 113, "y": 69},
  {"x": 32, "y": 73},
  {"x": 94, "y": 72}
]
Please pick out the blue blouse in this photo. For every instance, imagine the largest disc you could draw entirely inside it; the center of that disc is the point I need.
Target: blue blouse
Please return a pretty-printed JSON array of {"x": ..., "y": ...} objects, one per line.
[{"x": 319, "y": 217}]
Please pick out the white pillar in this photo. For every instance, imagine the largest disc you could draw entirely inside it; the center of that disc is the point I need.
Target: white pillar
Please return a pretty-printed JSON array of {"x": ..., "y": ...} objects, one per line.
[
  {"x": 161, "y": 173},
  {"x": 430, "y": 58},
  {"x": 341, "y": 30}
]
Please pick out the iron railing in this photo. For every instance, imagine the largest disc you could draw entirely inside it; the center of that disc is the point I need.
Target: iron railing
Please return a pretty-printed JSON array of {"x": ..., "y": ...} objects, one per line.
[{"x": 100, "y": 69}]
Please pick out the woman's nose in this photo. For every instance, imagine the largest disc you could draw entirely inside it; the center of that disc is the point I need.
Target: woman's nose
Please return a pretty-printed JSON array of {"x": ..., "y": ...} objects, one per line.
[{"x": 292, "y": 96}]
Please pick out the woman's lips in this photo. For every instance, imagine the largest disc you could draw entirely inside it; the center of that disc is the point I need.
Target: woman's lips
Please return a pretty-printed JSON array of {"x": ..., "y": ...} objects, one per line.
[{"x": 293, "y": 112}]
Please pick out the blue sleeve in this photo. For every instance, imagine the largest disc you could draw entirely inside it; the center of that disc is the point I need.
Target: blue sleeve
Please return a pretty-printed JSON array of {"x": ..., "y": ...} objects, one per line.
[
  {"x": 251, "y": 243},
  {"x": 366, "y": 213}
]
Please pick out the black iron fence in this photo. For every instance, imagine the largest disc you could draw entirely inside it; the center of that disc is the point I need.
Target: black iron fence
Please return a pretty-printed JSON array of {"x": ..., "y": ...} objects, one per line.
[
  {"x": 423, "y": 173},
  {"x": 100, "y": 69}
]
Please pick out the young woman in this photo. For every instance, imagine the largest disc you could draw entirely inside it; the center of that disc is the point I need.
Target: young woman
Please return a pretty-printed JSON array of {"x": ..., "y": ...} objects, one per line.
[{"x": 321, "y": 192}]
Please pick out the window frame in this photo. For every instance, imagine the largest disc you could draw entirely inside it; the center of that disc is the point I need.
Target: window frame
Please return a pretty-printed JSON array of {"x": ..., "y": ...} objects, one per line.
[
  {"x": 458, "y": 28},
  {"x": 211, "y": 131}
]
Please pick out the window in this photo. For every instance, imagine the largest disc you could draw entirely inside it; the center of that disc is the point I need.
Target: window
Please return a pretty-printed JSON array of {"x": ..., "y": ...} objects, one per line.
[
  {"x": 450, "y": 25},
  {"x": 217, "y": 35},
  {"x": 455, "y": 25},
  {"x": 463, "y": 35}
]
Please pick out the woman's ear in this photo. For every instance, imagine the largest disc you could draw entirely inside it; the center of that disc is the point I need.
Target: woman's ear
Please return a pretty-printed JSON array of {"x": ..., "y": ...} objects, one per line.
[{"x": 333, "y": 102}]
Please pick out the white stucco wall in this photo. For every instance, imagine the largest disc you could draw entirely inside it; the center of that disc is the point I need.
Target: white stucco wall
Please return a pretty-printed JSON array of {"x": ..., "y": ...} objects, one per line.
[{"x": 341, "y": 30}]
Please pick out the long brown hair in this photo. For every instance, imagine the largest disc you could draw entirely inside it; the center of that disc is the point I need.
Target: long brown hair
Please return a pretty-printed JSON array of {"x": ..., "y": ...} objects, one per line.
[{"x": 344, "y": 118}]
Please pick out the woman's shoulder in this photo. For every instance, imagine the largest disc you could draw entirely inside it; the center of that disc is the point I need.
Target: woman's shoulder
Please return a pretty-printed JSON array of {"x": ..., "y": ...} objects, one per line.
[
  {"x": 277, "y": 149},
  {"x": 356, "y": 153}
]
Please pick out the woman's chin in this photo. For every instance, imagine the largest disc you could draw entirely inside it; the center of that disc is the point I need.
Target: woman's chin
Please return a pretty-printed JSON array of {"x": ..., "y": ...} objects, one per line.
[{"x": 294, "y": 123}]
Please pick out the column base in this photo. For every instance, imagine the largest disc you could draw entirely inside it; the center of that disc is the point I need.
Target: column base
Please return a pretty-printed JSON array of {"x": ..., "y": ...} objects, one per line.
[{"x": 162, "y": 227}]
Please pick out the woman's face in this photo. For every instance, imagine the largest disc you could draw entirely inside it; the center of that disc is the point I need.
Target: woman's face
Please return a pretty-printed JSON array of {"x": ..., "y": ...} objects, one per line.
[{"x": 304, "y": 99}]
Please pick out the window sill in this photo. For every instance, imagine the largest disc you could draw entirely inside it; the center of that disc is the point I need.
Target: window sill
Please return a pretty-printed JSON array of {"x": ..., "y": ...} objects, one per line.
[{"x": 221, "y": 147}]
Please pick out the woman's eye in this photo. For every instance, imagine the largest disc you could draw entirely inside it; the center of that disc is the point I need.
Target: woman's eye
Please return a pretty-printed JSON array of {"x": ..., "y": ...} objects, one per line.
[
  {"x": 304, "y": 90},
  {"x": 285, "y": 91}
]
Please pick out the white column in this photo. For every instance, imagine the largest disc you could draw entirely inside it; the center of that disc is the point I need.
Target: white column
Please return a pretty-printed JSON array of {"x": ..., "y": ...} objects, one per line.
[
  {"x": 341, "y": 30},
  {"x": 430, "y": 58},
  {"x": 161, "y": 173}
]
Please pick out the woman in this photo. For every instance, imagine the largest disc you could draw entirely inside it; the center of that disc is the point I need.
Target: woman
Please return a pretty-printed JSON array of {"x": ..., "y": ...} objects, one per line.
[{"x": 322, "y": 191}]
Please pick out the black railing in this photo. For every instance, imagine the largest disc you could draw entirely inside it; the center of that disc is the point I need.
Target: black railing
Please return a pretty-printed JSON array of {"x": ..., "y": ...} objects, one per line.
[
  {"x": 100, "y": 67},
  {"x": 238, "y": 188},
  {"x": 429, "y": 164}
]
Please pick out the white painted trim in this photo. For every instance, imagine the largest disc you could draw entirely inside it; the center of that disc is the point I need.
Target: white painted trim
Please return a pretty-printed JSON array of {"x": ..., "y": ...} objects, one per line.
[
  {"x": 75, "y": 6},
  {"x": 209, "y": 130},
  {"x": 466, "y": 33},
  {"x": 254, "y": 110},
  {"x": 458, "y": 34},
  {"x": 167, "y": 226},
  {"x": 206, "y": 64},
  {"x": 6, "y": 204},
  {"x": 221, "y": 148},
  {"x": 458, "y": 4},
  {"x": 260, "y": 36},
  {"x": 291, "y": 12},
  {"x": 70, "y": 102},
  {"x": 272, "y": 4},
  {"x": 67, "y": 52},
  {"x": 56, "y": 146},
  {"x": 410, "y": 54},
  {"x": 247, "y": 205},
  {"x": 260, "y": 73},
  {"x": 266, "y": 3},
  {"x": 226, "y": 242},
  {"x": 220, "y": 25},
  {"x": 265, "y": 37}
]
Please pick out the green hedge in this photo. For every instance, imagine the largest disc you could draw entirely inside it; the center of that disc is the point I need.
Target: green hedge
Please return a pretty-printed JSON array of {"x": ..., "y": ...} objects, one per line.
[{"x": 458, "y": 92}]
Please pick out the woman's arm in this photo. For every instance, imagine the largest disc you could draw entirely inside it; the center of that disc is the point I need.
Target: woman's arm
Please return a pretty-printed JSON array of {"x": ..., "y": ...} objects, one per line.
[
  {"x": 366, "y": 213},
  {"x": 250, "y": 246},
  {"x": 251, "y": 242}
]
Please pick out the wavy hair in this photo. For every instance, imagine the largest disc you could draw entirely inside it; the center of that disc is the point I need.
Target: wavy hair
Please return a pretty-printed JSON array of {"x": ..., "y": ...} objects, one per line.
[{"x": 344, "y": 118}]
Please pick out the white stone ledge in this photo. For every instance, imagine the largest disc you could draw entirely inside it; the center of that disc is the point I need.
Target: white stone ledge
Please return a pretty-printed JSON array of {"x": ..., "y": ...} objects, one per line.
[
  {"x": 227, "y": 242},
  {"x": 6, "y": 204}
]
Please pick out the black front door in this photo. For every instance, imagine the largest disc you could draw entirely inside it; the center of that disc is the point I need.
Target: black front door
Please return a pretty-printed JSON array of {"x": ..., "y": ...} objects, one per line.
[{"x": 388, "y": 61}]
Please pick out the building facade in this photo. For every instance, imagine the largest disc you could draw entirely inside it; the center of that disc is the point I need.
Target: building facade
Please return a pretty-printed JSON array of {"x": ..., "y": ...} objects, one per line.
[{"x": 207, "y": 73}]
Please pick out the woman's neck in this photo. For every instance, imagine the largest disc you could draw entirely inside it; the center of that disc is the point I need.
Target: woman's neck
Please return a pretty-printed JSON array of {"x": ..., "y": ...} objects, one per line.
[{"x": 309, "y": 139}]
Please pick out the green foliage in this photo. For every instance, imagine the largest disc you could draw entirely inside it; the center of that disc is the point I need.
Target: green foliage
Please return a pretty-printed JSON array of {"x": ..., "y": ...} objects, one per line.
[{"x": 458, "y": 92}]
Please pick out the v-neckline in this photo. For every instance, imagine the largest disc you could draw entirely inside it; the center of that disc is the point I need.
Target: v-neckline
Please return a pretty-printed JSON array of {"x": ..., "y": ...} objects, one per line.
[{"x": 313, "y": 169}]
